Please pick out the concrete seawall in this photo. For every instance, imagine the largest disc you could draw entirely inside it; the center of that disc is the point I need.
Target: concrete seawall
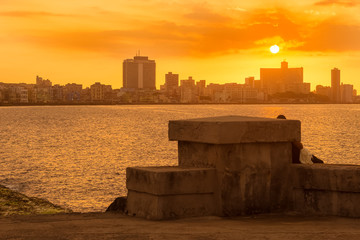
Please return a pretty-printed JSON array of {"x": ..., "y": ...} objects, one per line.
[
  {"x": 327, "y": 189},
  {"x": 233, "y": 165}
]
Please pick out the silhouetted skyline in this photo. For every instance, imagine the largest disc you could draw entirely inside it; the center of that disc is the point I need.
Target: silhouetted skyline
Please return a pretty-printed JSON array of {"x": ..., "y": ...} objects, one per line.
[{"x": 276, "y": 85}]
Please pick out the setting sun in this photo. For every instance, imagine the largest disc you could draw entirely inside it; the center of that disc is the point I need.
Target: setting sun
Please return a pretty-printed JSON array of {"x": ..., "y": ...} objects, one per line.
[{"x": 274, "y": 49}]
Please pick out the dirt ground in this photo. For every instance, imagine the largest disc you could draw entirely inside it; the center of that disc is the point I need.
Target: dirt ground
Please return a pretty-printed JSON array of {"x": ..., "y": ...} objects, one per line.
[{"x": 116, "y": 226}]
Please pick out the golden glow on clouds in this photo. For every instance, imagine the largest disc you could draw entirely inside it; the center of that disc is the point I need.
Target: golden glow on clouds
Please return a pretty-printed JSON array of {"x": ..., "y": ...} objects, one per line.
[{"x": 86, "y": 41}]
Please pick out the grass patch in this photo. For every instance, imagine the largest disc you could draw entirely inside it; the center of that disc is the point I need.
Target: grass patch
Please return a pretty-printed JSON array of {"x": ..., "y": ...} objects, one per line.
[{"x": 15, "y": 203}]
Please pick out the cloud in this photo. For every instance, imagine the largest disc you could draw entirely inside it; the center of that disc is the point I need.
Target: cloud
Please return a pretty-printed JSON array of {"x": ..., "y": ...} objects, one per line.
[
  {"x": 202, "y": 14},
  {"x": 31, "y": 14},
  {"x": 203, "y": 32},
  {"x": 239, "y": 9},
  {"x": 344, "y": 3},
  {"x": 332, "y": 36}
]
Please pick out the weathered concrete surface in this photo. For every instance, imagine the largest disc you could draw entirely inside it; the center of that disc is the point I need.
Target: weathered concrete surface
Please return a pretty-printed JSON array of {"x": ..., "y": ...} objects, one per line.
[
  {"x": 251, "y": 156},
  {"x": 114, "y": 226},
  {"x": 251, "y": 177},
  {"x": 250, "y": 160},
  {"x": 251, "y": 164},
  {"x": 330, "y": 177},
  {"x": 327, "y": 189},
  {"x": 170, "y": 192},
  {"x": 160, "y": 207},
  {"x": 170, "y": 180},
  {"x": 234, "y": 129}
]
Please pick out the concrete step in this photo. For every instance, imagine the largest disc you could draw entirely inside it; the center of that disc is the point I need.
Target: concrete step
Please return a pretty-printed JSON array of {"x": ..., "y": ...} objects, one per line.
[{"x": 170, "y": 192}]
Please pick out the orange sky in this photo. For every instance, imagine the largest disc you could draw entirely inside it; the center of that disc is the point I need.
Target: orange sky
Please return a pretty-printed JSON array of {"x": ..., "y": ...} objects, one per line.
[{"x": 219, "y": 41}]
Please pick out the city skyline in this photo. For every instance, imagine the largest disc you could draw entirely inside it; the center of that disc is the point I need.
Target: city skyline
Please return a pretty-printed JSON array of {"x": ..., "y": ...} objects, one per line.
[
  {"x": 140, "y": 70},
  {"x": 70, "y": 41},
  {"x": 276, "y": 85}
]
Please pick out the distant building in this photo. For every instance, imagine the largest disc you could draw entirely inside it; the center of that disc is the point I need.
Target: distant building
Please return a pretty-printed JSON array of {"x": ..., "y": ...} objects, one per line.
[
  {"x": 251, "y": 95},
  {"x": 85, "y": 95},
  {"x": 72, "y": 92},
  {"x": 347, "y": 91},
  {"x": 31, "y": 92},
  {"x": 57, "y": 93},
  {"x": 188, "y": 91},
  {"x": 215, "y": 91},
  {"x": 108, "y": 93},
  {"x": 232, "y": 93},
  {"x": 250, "y": 81},
  {"x": 171, "y": 83},
  {"x": 43, "y": 82},
  {"x": 200, "y": 87},
  {"x": 305, "y": 88},
  {"x": 17, "y": 93},
  {"x": 97, "y": 92},
  {"x": 257, "y": 84},
  {"x": 324, "y": 91},
  {"x": 24, "y": 94},
  {"x": 43, "y": 90},
  {"x": 239, "y": 93},
  {"x": 284, "y": 79},
  {"x": 139, "y": 73},
  {"x": 2, "y": 93},
  {"x": 335, "y": 86},
  {"x": 14, "y": 93}
]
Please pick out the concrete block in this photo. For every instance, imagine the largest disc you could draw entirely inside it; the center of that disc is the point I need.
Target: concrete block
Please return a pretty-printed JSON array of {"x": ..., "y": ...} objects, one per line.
[
  {"x": 251, "y": 177},
  {"x": 332, "y": 177},
  {"x": 234, "y": 129},
  {"x": 192, "y": 154},
  {"x": 327, "y": 189},
  {"x": 170, "y": 180},
  {"x": 155, "y": 207},
  {"x": 281, "y": 176},
  {"x": 234, "y": 165},
  {"x": 244, "y": 176},
  {"x": 318, "y": 202}
]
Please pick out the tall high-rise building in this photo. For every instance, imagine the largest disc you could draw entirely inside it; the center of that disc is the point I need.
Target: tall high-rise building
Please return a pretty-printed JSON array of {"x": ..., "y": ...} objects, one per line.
[
  {"x": 335, "y": 85},
  {"x": 139, "y": 73}
]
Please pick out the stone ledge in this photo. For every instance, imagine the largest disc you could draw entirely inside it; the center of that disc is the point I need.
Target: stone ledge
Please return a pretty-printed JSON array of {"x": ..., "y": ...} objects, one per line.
[
  {"x": 170, "y": 180},
  {"x": 328, "y": 177},
  {"x": 155, "y": 207},
  {"x": 234, "y": 129},
  {"x": 321, "y": 202}
]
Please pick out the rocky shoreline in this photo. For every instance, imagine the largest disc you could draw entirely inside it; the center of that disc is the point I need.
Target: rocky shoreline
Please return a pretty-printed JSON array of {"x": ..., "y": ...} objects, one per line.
[{"x": 15, "y": 203}]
